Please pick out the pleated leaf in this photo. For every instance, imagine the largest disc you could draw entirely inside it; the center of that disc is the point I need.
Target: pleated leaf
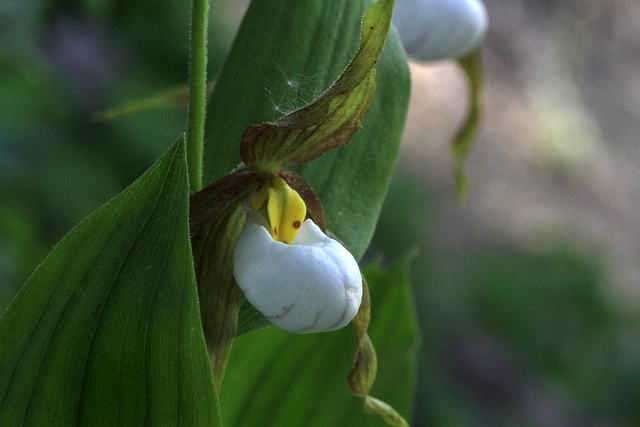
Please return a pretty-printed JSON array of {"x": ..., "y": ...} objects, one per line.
[{"x": 107, "y": 329}]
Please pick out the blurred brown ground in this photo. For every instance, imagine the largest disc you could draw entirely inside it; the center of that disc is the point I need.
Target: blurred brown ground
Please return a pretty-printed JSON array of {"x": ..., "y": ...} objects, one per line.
[{"x": 557, "y": 161}]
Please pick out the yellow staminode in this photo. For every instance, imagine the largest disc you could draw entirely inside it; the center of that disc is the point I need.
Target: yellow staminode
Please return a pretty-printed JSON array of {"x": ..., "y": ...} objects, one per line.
[{"x": 282, "y": 207}]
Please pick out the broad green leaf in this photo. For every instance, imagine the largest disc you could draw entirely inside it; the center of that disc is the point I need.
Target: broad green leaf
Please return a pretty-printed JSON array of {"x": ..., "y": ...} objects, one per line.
[
  {"x": 303, "y": 49},
  {"x": 275, "y": 378},
  {"x": 471, "y": 65},
  {"x": 330, "y": 120},
  {"x": 107, "y": 329}
]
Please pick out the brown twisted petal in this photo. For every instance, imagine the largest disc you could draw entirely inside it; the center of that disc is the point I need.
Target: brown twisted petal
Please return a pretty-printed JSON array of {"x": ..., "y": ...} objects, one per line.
[{"x": 213, "y": 201}]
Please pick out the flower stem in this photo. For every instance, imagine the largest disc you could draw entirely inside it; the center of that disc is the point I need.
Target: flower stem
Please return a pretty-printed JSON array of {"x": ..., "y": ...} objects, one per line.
[{"x": 197, "y": 92}]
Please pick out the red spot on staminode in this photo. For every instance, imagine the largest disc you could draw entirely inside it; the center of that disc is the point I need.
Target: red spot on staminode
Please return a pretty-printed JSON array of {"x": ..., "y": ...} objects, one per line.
[
  {"x": 275, "y": 231},
  {"x": 297, "y": 224}
]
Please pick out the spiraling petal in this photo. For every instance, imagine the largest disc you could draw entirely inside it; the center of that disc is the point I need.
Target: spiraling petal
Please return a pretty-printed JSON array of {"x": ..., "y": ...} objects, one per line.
[
  {"x": 313, "y": 285},
  {"x": 440, "y": 29}
]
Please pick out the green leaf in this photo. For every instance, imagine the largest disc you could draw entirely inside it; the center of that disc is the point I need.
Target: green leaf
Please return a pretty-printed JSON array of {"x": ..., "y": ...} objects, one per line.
[
  {"x": 275, "y": 378},
  {"x": 249, "y": 319},
  {"x": 331, "y": 119},
  {"x": 107, "y": 329},
  {"x": 303, "y": 49},
  {"x": 471, "y": 65},
  {"x": 177, "y": 95}
]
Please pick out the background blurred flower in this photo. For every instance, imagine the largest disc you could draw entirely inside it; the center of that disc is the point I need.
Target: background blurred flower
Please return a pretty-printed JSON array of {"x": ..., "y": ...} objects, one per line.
[{"x": 440, "y": 29}]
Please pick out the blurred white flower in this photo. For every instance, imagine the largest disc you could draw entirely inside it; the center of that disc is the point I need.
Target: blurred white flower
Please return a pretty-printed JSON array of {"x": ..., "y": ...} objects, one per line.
[{"x": 440, "y": 29}]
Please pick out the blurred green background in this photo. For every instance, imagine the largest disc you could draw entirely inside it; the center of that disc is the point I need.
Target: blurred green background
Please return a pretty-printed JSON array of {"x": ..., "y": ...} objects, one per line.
[{"x": 527, "y": 295}]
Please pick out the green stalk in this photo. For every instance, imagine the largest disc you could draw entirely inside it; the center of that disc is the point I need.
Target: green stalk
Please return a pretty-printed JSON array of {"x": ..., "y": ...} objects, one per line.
[{"x": 197, "y": 92}]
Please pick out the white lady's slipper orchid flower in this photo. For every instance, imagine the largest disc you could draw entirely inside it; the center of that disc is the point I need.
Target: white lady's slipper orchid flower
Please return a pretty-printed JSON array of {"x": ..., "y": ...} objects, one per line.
[
  {"x": 311, "y": 285},
  {"x": 440, "y": 29}
]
